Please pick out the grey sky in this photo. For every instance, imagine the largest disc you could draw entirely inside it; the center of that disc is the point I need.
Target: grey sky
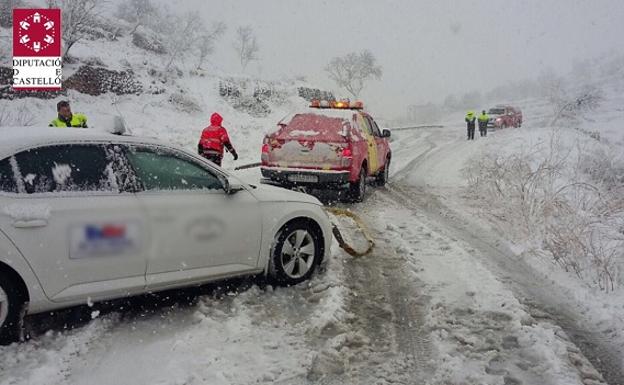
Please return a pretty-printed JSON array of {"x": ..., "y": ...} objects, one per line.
[{"x": 428, "y": 48}]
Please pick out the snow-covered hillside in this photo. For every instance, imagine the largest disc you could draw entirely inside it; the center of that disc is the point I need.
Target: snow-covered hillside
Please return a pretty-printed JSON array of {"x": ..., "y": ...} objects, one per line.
[{"x": 173, "y": 104}]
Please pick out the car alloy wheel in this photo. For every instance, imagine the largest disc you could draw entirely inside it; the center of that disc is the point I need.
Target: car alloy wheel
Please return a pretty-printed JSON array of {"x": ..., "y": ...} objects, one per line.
[
  {"x": 4, "y": 307},
  {"x": 12, "y": 309},
  {"x": 298, "y": 254}
]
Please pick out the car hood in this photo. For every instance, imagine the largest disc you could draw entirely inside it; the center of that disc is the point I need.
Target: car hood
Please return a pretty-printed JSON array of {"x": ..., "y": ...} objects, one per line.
[{"x": 267, "y": 193}]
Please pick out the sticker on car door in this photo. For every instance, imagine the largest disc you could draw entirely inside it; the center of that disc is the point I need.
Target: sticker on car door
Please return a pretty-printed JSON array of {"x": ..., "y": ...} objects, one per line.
[
  {"x": 104, "y": 239},
  {"x": 373, "y": 163}
]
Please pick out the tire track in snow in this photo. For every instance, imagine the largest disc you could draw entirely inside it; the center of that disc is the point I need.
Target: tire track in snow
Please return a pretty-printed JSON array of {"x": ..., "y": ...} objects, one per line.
[
  {"x": 384, "y": 340},
  {"x": 545, "y": 302},
  {"x": 383, "y": 286},
  {"x": 480, "y": 339}
]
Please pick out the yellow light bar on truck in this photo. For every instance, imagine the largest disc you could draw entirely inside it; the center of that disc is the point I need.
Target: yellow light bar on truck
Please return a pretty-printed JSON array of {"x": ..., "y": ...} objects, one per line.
[
  {"x": 358, "y": 105},
  {"x": 337, "y": 104}
]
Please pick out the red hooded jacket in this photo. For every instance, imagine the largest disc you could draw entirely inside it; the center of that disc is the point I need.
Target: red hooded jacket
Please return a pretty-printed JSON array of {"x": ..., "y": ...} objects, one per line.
[{"x": 215, "y": 136}]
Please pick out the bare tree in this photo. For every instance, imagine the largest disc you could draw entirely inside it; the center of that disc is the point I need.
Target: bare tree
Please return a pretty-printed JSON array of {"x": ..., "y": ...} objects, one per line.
[
  {"x": 137, "y": 12},
  {"x": 181, "y": 35},
  {"x": 570, "y": 105},
  {"x": 78, "y": 18},
  {"x": 353, "y": 70},
  {"x": 207, "y": 38},
  {"x": 246, "y": 45}
]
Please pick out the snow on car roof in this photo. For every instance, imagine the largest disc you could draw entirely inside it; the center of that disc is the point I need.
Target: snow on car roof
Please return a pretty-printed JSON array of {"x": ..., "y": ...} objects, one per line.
[
  {"x": 328, "y": 112},
  {"x": 332, "y": 112},
  {"x": 14, "y": 139}
]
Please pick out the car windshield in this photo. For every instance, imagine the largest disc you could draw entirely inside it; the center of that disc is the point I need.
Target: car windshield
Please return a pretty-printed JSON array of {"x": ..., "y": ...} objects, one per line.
[{"x": 496, "y": 111}]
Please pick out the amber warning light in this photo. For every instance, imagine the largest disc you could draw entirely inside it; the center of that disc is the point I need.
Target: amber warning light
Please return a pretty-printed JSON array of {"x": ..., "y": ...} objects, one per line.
[{"x": 337, "y": 104}]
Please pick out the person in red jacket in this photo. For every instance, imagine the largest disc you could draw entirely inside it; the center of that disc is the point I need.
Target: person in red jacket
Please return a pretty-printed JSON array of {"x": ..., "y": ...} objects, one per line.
[{"x": 213, "y": 139}]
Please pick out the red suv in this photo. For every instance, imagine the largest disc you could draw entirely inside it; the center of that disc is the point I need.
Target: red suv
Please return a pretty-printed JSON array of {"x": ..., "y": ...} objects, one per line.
[
  {"x": 505, "y": 116},
  {"x": 331, "y": 145}
]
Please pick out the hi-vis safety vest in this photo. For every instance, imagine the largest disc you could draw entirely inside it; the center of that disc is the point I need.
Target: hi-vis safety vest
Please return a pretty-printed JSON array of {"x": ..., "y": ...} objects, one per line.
[
  {"x": 77, "y": 120},
  {"x": 484, "y": 118}
]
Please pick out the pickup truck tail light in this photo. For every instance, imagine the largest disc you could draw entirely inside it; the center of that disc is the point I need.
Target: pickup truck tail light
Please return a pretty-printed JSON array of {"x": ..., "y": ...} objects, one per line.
[
  {"x": 264, "y": 157},
  {"x": 347, "y": 156}
]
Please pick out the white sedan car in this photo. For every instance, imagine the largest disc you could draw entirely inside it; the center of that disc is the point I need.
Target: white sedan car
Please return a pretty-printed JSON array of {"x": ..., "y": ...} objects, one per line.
[{"x": 88, "y": 216}]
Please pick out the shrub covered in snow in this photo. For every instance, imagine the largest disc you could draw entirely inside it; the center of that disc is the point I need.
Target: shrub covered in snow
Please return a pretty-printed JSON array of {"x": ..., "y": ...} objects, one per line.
[
  {"x": 229, "y": 89},
  {"x": 148, "y": 41},
  {"x": 96, "y": 81},
  {"x": 184, "y": 103},
  {"x": 252, "y": 106},
  {"x": 251, "y": 96},
  {"x": 565, "y": 198},
  {"x": 314, "y": 93}
]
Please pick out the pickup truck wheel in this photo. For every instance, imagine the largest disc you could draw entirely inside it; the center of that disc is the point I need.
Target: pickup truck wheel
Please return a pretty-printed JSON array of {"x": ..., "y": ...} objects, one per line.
[
  {"x": 357, "y": 189},
  {"x": 11, "y": 305},
  {"x": 295, "y": 254},
  {"x": 384, "y": 175}
]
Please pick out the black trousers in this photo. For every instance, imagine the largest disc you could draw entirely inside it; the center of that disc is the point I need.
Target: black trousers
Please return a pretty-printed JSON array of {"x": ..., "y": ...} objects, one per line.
[
  {"x": 214, "y": 158},
  {"x": 483, "y": 131},
  {"x": 471, "y": 131}
]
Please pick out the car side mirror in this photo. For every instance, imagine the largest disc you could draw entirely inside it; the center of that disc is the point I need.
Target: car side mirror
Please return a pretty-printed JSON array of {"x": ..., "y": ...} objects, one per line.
[
  {"x": 234, "y": 188},
  {"x": 385, "y": 133},
  {"x": 230, "y": 188}
]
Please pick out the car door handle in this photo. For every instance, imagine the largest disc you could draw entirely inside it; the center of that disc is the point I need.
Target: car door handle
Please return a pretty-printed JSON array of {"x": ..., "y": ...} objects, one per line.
[{"x": 25, "y": 224}]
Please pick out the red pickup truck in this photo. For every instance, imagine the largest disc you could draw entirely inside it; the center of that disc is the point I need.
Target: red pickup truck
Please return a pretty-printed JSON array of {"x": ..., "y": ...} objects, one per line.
[
  {"x": 331, "y": 145},
  {"x": 502, "y": 116}
]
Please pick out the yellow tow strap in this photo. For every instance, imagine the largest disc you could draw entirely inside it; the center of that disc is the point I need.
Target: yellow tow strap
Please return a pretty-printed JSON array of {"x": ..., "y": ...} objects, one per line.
[{"x": 341, "y": 242}]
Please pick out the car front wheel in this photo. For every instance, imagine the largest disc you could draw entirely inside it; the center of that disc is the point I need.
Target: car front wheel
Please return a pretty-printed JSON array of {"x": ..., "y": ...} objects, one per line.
[
  {"x": 11, "y": 304},
  {"x": 296, "y": 253}
]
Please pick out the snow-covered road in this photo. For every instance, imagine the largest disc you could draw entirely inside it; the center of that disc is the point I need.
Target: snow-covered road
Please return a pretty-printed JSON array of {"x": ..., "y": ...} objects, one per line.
[
  {"x": 553, "y": 324},
  {"x": 441, "y": 300}
]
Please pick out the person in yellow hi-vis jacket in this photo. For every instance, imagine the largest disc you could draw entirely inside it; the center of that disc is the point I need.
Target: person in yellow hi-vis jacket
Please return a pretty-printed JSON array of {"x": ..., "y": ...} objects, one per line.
[
  {"x": 483, "y": 119},
  {"x": 470, "y": 124},
  {"x": 65, "y": 117}
]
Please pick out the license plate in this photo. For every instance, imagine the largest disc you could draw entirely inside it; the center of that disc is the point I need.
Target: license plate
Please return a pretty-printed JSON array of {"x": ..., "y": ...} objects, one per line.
[{"x": 303, "y": 178}]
